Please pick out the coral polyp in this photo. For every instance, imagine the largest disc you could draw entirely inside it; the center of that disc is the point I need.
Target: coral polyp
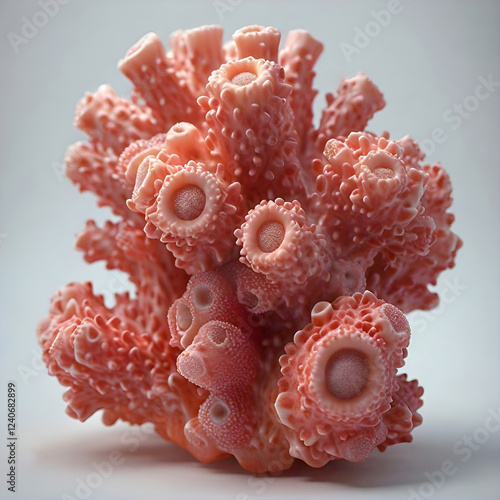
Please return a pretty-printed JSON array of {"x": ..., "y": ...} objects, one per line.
[{"x": 274, "y": 261}]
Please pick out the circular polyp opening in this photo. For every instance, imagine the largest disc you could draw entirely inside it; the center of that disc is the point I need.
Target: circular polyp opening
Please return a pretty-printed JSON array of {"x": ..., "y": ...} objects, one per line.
[
  {"x": 92, "y": 334},
  {"x": 242, "y": 79},
  {"x": 384, "y": 172},
  {"x": 203, "y": 297},
  {"x": 192, "y": 366},
  {"x": 350, "y": 280},
  {"x": 184, "y": 316},
  {"x": 346, "y": 374},
  {"x": 250, "y": 299},
  {"x": 219, "y": 412},
  {"x": 178, "y": 128},
  {"x": 217, "y": 335},
  {"x": 188, "y": 202},
  {"x": 270, "y": 236},
  {"x": 397, "y": 319}
]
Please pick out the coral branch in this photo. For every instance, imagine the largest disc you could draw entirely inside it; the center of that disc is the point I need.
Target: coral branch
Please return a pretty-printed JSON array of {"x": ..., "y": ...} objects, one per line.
[
  {"x": 113, "y": 122},
  {"x": 340, "y": 372},
  {"x": 258, "y": 42},
  {"x": 298, "y": 57},
  {"x": 156, "y": 82},
  {"x": 251, "y": 127},
  {"x": 350, "y": 110}
]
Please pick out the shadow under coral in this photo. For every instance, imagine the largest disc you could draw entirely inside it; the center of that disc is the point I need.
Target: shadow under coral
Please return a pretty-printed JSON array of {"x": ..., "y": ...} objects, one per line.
[{"x": 403, "y": 464}]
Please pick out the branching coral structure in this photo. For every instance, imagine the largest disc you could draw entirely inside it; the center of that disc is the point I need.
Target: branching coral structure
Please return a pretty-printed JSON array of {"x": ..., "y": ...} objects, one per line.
[{"x": 273, "y": 260}]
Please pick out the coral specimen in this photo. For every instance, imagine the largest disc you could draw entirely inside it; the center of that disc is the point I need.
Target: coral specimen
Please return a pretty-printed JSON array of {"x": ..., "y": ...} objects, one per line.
[{"x": 273, "y": 260}]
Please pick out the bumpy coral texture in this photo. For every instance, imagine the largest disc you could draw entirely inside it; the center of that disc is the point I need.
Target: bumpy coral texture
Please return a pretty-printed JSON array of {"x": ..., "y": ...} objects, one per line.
[{"x": 273, "y": 261}]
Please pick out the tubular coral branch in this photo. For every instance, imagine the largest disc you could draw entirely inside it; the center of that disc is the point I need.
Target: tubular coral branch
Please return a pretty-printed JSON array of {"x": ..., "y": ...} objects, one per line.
[
  {"x": 195, "y": 213},
  {"x": 155, "y": 81},
  {"x": 95, "y": 170},
  {"x": 258, "y": 42},
  {"x": 132, "y": 156},
  {"x": 208, "y": 297},
  {"x": 298, "y": 57},
  {"x": 350, "y": 110},
  {"x": 251, "y": 127},
  {"x": 277, "y": 242},
  {"x": 403, "y": 279},
  {"x": 113, "y": 122},
  {"x": 367, "y": 182},
  {"x": 109, "y": 366},
  {"x": 196, "y": 53}
]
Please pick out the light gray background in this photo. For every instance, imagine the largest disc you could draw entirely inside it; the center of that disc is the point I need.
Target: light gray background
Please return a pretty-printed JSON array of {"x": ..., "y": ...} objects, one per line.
[{"x": 428, "y": 58}]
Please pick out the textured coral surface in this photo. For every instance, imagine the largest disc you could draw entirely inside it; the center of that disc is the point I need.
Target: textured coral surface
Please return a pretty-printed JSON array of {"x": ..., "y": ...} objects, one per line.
[{"x": 273, "y": 260}]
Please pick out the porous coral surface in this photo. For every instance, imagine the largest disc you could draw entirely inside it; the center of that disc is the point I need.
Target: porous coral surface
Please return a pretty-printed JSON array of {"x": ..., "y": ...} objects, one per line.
[{"x": 273, "y": 261}]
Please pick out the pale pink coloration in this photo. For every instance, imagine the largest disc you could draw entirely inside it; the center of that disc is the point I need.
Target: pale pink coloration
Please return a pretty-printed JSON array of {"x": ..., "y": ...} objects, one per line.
[
  {"x": 240, "y": 225},
  {"x": 156, "y": 82},
  {"x": 208, "y": 297},
  {"x": 277, "y": 242},
  {"x": 357, "y": 100},
  {"x": 251, "y": 127},
  {"x": 257, "y": 41},
  {"x": 402, "y": 418},
  {"x": 221, "y": 356},
  {"x": 109, "y": 364},
  {"x": 113, "y": 122},
  {"x": 372, "y": 199},
  {"x": 403, "y": 280},
  {"x": 195, "y": 54},
  {"x": 193, "y": 213},
  {"x": 96, "y": 170},
  {"x": 253, "y": 289},
  {"x": 223, "y": 359},
  {"x": 339, "y": 379},
  {"x": 298, "y": 57},
  {"x": 228, "y": 418},
  {"x": 132, "y": 156},
  {"x": 158, "y": 281}
]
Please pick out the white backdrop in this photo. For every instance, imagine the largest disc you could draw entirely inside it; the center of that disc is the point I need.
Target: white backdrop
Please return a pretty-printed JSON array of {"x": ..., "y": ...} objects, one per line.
[{"x": 428, "y": 58}]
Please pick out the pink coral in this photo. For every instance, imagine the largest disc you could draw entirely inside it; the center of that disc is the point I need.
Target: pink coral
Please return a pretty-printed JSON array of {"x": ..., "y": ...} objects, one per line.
[{"x": 241, "y": 224}]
